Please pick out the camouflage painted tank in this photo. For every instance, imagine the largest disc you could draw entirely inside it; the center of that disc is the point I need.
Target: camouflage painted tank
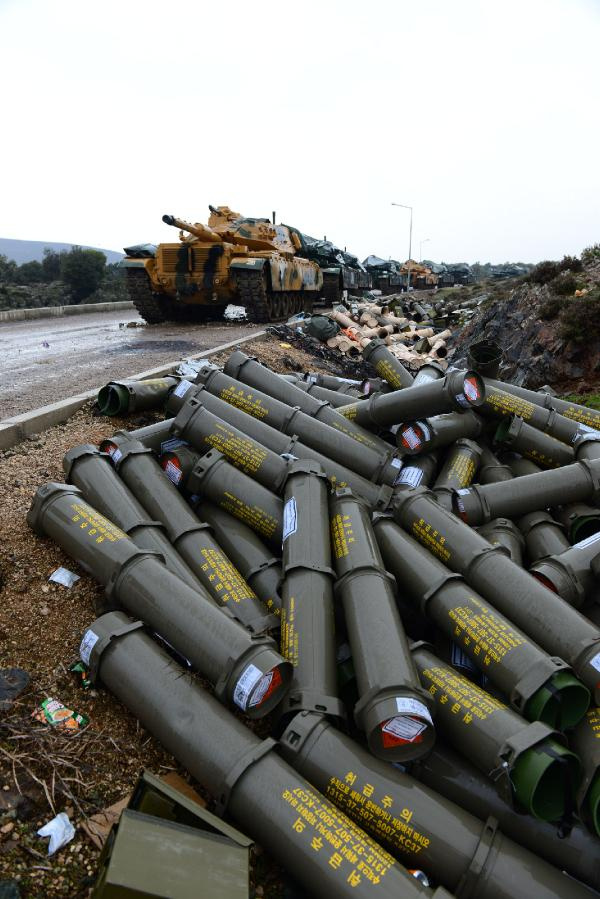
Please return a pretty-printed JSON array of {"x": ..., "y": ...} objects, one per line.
[{"x": 246, "y": 261}]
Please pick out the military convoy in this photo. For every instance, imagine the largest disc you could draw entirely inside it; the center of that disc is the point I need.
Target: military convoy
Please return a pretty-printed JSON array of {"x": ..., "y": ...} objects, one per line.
[{"x": 274, "y": 271}]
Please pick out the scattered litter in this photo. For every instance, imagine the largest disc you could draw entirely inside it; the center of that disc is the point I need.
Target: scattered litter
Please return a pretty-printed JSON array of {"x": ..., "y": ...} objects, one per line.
[
  {"x": 82, "y": 674},
  {"x": 53, "y": 712},
  {"x": 45, "y": 344},
  {"x": 60, "y": 830},
  {"x": 12, "y": 682},
  {"x": 64, "y": 576}
]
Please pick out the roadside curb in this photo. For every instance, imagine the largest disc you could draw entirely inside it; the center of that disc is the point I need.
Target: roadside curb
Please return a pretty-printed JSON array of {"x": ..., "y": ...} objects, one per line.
[
  {"x": 14, "y": 430},
  {"x": 20, "y": 315}
]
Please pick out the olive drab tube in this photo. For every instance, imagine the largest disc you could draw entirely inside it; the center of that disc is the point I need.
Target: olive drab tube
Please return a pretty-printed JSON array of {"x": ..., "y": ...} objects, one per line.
[
  {"x": 544, "y": 450},
  {"x": 574, "y": 850},
  {"x": 271, "y": 802},
  {"x": 371, "y": 462},
  {"x": 416, "y": 437},
  {"x": 587, "y": 446},
  {"x": 307, "y": 614},
  {"x": 583, "y": 414},
  {"x": 543, "y": 535},
  {"x": 528, "y": 493},
  {"x": 431, "y": 371},
  {"x": 570, "y": 574},
  {"x": 504, "y": 533},
  {"x": 420, "y": 828},
  {"x": 191, "y": 538},
  {"x": 520, "y": 466},
  {"x": 204, "y": 431},
  {"x": 485, "y": 357},
  {"x": 387, "y": 365},
  {"x": 288, "y": 447},
  {"x": 246, "y": 670},
  {"x": 152, "y": 436},
  {"x": 544, "y": 616},
  {"x": 332, "y": 382},
  {"x": 538, "y": 687},
  {"x": 91, "y": 471},
  {"x": 526, "y": 761},
  {"x": 457, "y": 391},
  {"x": 460, "y": 466},
  {"x": 126, "y": 397},
  {"x": 257, "y": 564},
  {"x": 580, "y": 520},
  {"x": 392, "y": 709},
  {"x": 216, "y": 480},
  {"x": 418, "y": 471},
  {"x": 491, "y": 470},
  {"x": 585, "y": 741},
  {"x": 333, "y": 397},
  {"x": 500, "y": 404},
  {"x": 247, "y": 372}
]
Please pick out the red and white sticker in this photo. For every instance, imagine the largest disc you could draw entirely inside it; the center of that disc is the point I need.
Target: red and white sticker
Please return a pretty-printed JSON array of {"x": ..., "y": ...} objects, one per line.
[
  {"x": 172, "y": 469},
  {"x": 471, "y": 389},
  {"x": 411, "y": 439},
  {"x": 408, "y": 726},
  {"x": 253, "y": 687},
  {"x": 402, "y": 729},
  {"x": 265, "y": 687}
]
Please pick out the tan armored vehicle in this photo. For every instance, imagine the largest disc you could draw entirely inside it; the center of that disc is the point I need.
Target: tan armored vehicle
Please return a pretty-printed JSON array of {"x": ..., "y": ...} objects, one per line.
[{"x": 246, "y": 261}]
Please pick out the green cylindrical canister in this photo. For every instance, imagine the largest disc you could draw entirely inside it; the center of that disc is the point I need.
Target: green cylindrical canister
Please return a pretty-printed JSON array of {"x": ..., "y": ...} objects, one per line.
[
  {"x": 392, "y": 709},
  {"x": 421, "y": 828},
  {"x": 538, "y": 686},
  {"x": 246, "y": 670},
  {"x": 525, "y": 760},
  {"x": 322, "y": 848},
  {"x": 307, "y": 616},
  {"x": 545, "y": 617},
  {"x": 572, "y": 849}
]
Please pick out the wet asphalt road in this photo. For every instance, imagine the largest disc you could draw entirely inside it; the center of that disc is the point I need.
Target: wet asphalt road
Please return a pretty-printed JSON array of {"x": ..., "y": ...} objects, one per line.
[{"x": 45, "y": 360}]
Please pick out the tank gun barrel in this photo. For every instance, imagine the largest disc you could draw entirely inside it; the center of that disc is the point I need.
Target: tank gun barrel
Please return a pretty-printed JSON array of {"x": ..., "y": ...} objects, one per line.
[{"x": 198, "y": 230}]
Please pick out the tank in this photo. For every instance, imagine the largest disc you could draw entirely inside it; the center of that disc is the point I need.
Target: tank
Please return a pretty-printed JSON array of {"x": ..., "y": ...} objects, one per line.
[
  {"x": 343, "y": 273},
  {"x": 246, "y": 261}
]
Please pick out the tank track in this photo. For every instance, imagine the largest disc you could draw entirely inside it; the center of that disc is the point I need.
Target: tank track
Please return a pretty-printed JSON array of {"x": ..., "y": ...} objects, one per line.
[
  {"x": 263, "y": 306},
  {"x": 150, "y": 306}
]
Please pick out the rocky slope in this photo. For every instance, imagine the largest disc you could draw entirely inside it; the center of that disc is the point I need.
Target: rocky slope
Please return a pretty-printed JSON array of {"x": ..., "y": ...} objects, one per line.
[{"x": 547, "y": 324}]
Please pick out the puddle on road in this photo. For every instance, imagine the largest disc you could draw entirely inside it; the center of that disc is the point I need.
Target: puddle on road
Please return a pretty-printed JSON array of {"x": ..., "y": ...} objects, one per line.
[{"x": 148, "y": 346}]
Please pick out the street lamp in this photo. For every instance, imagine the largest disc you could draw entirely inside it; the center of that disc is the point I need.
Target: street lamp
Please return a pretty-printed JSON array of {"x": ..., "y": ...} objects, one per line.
[
  {"x": 409, "y": 243},
  {"x": 421, "y": 242}
]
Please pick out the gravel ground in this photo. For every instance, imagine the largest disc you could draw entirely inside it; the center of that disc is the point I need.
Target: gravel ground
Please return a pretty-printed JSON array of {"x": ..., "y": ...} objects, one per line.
[
  {"x": 46, "y": 360},
  {"x": 40, "y": 627}
]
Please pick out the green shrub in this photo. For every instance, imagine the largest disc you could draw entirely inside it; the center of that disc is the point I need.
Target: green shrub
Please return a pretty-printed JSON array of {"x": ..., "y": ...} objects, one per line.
[
  {"x": 551, "y": 307},
  {"x": 591, "y": 254},
  {"x": 564, "y": 284},
  {"x": 544, "y": 272},
  {"x": 570, "y": 264},
  {"x": 580, "y": 318}
]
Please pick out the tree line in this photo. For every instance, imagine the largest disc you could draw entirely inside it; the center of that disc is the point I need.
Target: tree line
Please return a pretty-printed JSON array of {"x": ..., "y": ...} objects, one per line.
[{"x": 82, "y": 272}]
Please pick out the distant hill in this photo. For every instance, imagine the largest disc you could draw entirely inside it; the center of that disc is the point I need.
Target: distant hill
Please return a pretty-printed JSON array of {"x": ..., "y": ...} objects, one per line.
[{"x": 33, "y": 250}]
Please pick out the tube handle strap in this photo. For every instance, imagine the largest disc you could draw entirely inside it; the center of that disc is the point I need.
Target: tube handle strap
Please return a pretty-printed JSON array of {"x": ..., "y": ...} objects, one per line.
[
  {"x": 467, "y": 886},
  {"x": 535, "y": 677},
  {"x": 104, "y": 641},
  {"x": 253, "y": 755},
  {"x": 526, "y": 738}
]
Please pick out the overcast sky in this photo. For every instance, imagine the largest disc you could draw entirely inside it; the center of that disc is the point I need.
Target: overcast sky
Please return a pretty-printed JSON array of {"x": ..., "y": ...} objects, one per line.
[{"x": 482, "y": 116}]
